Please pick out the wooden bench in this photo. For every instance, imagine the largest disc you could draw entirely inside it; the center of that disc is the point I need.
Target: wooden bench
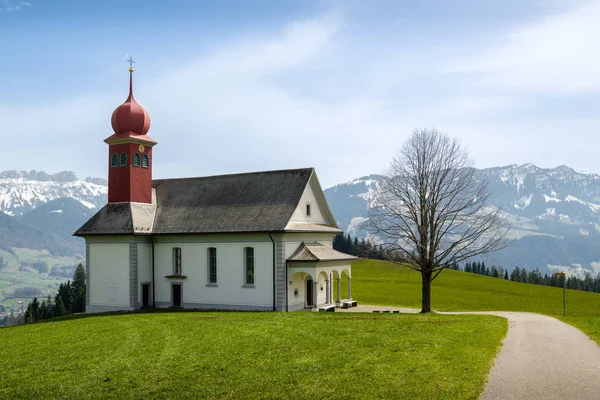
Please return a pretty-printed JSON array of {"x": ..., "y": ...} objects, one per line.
[{"x": 349, "y": 303}]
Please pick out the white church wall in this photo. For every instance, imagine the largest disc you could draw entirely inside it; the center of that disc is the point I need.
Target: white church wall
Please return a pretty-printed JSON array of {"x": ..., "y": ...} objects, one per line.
[
  {"x": 144, "y": 268},
  {"x": 109, "y": 276},
  {"x": 316, "y": 213},
  {"x": 230, "y": 291},
  {"x": 297, "y": 292}
]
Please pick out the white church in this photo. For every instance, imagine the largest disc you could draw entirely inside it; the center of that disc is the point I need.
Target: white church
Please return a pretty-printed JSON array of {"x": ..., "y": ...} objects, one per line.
[{"x": 250, "y": 241}]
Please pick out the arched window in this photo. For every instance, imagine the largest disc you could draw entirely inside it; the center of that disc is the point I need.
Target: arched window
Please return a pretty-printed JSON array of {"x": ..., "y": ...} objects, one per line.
[
  {"x": 145, "y": 161},
  {"x": 176, "y": 260},
  {"x": 123, "y": 159},
  {"x": 136, "y": 159},
  {"x": 212, "y": 265},
  {"x": 249, "y": 265},
  {"x": 114, "y": 160},
  {"x": 308, "y": 210}
]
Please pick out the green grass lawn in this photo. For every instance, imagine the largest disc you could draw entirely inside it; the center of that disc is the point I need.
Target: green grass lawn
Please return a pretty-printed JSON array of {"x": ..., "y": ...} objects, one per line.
[
  {"x": 251, "y": 355},
  {"x": 383, "y": 283}
]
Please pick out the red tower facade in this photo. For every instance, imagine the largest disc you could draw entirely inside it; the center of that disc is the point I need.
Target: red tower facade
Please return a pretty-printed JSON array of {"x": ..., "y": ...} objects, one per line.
[{"x": 130, "y": 153}]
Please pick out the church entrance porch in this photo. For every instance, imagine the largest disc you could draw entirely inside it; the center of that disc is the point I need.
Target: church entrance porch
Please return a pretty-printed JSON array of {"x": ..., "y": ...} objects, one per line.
[
  {"x": 319, "y": 288},
  {"x": 325, "y": 268}
]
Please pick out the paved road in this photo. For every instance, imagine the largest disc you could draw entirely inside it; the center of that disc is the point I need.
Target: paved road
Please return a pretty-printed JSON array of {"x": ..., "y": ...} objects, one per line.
[{"x": 544, "y": 358}]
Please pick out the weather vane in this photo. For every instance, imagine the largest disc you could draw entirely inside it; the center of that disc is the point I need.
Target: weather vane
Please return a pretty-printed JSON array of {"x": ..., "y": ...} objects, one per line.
[{"x": 131, "y": 62}]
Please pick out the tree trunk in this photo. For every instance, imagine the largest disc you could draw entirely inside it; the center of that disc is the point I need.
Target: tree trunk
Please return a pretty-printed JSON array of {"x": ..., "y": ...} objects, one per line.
[{"x": 426, "y": 292}]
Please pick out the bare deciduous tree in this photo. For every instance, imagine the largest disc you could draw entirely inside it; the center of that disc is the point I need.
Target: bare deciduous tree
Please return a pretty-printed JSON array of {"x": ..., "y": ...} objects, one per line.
[{"x": 431, "y": 211}]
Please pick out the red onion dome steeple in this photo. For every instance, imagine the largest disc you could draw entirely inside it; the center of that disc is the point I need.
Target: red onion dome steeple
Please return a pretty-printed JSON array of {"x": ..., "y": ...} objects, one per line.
[{"x": 130, "y": 116}]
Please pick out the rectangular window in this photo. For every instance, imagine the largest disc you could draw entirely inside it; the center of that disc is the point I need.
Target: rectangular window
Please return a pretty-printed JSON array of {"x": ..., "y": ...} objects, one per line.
[
  {"x": 212, "y": 265},
  {"x": 177, "y": 261},
  {"x": 249, "y": 265}
]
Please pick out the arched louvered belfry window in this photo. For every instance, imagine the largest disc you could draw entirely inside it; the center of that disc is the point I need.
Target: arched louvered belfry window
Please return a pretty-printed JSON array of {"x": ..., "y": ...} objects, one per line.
[
  {"x": 136, "y": 159},
  {"x": 145, "y": 161},
  {"x": 114, "y": 160},
  {"x": 123, "y": 159}
]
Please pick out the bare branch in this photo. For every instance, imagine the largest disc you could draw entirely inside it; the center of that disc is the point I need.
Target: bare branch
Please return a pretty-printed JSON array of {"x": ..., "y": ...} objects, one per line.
[{"x": 431, "y": 210}]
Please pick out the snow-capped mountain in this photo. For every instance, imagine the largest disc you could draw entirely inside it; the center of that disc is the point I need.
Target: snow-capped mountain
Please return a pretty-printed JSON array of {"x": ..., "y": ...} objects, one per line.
[
  {"x": 559, "y": 194},
  {"x": 22, "y": 191},
  {"x": 554, "y": 214}
]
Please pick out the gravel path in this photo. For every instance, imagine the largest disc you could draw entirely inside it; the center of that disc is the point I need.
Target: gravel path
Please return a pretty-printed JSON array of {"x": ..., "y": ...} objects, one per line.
[{"x": 543, "y": 358}]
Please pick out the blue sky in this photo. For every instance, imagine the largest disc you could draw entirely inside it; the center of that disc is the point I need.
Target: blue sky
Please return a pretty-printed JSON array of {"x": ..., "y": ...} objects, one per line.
[{"x": 236, "y": 86}]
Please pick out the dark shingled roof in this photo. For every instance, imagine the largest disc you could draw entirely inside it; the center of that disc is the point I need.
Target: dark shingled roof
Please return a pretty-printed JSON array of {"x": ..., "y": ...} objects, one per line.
[
  {"x": 251, "y": 202},
  {"x": 111, "y": 219}
]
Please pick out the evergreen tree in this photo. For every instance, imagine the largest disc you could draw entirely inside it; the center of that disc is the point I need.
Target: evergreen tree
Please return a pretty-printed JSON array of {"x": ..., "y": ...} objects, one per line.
[
  {"x": 506, "y": 274},
  {"x": 494, "y": 272},
  {"x": 32, "y": 312},
  {"x": 338, "y": 242},
  {"x": 59, "y": 307},
  {"x": 49, "y": 311},
  {"x": 78, "y": 290},
  {"x": 64, "y": 291},
  {"x": 43, "y": 310}
]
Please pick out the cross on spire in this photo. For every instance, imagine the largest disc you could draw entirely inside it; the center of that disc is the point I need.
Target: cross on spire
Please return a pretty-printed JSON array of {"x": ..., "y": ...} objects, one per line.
[{"x": 130, "y": 61}]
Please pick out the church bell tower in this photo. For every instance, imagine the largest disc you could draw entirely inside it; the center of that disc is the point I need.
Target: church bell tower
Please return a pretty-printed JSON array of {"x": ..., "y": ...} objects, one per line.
[{"x": 130, "y": 152}]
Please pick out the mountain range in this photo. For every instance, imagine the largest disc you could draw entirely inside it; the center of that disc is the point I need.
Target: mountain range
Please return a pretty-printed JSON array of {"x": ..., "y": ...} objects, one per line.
[
  {"x": 40, "y": 211},
  {"x": 554, "y": 213},
  {"x": 22, "y": 191}
]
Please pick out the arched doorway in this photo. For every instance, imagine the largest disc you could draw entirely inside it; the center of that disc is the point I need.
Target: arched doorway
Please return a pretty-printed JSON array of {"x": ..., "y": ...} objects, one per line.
[{"x": 309, "y": 293}]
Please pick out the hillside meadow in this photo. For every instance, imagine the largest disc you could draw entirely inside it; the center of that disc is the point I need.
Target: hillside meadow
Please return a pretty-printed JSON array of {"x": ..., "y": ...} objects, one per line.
[
  {"x": 302, "y": 355},
  {"x": 384, "y": 283},
  {"x": 251, "y": 355}
]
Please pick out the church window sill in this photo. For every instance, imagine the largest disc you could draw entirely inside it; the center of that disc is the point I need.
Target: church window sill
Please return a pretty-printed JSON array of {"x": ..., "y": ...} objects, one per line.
[
  {"x": 249, "y": 285},
  {"x": 175, "y": 276},
  {"x": 212, "y": 285}
]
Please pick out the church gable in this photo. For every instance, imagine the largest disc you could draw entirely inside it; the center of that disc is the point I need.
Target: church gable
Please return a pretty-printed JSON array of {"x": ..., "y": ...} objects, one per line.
[{"x": 312, "y": 211}]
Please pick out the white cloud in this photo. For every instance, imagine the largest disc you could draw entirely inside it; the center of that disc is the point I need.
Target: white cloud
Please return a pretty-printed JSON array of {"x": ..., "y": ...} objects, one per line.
[
  {"x": 558, "y": 53},
  {"x": 263, "y": 102},
  {"x": 14, "y": 6},
  {"x": 225, "y": 112}
]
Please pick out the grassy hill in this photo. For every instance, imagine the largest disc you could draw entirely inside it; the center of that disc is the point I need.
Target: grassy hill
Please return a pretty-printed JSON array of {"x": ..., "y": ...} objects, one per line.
[
  {"x": 383, "y": 283},
  {"x": 295, "y": 355}
]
